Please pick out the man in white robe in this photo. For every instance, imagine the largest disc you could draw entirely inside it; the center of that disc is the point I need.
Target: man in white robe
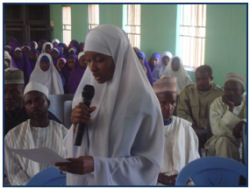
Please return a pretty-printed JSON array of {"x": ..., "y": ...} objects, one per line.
[
  {"x": 227, "y": 117},
  {"x": 181, "y": 142},
  {"x": 123, "y": 135},
  {"x": 38, "y": 131}
]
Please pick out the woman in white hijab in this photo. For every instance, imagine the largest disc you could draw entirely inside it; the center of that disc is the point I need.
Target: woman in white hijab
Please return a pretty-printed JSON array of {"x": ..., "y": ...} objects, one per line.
[
  {"x": 46, "y": 73},
  {"x": 123, "y": 138},
  {"x": 47, "y": 47},
  {"x": 176, "y": 69}
]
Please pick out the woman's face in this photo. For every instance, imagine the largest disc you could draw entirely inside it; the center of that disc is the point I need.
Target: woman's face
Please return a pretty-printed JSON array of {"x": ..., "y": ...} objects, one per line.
[
  {"x": 18, "y": 54},
  {"x": 54, "y": 54},
  {"x": 175, "y": 64},
  {"x": 71, "y": 63},
  {"x": 154, "y": 61},
  {"x": 165, "y": 60},
  {"x": 32, "y": 56},
  {"x": 44, "y": 65},
  {"x": 61, "y": 64},
  {"x": 101, "y": 66},
  {"x": 82, "y": 62},
  {"x": 48, "y": 49}
]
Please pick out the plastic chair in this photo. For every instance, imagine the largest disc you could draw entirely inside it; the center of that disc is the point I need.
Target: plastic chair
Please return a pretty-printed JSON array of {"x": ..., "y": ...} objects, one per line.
[
  {"x": 48, "y": 177},
  {"x": 57, "y": 104},
  {"x": 212, "y": 171}
]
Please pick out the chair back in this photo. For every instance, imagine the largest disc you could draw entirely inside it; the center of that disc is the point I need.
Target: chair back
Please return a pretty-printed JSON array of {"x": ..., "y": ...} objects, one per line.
[
  {"x": 212, "y": 171},
  {"x": 57, "y": 105},
  {"x": 48, "y": 177}
]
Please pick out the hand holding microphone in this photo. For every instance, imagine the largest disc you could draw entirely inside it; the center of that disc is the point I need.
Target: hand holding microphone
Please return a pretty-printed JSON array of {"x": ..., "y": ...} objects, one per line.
[{"x": 81, "y": 113}]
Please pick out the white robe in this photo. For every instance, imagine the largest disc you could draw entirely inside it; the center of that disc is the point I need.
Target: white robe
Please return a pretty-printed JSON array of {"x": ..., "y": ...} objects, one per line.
[
  {"x": 50, "y": 78},
  {"x": 19, "y": 170},
  {"x": 181, "y": 146},
  {"x": 223, "y": 143},
  {"x": 125, "y": 136},
  {"x": 183, "y": 79}
]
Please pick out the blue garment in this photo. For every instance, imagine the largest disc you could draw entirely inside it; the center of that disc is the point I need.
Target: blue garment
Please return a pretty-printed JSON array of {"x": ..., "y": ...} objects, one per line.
[
  {"x": 145, "y": 62},
  {"x": 167, "y": 122}
]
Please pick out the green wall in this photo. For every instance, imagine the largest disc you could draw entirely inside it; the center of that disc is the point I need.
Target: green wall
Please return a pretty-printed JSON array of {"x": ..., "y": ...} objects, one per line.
[
  {"x": 79, "y": 21},
  {"x": 226, "y": 40},
  {"x": 111, "y": 14},
  {"x": 56, "y": 19},
  {"x": 158, "y": 28},
  {"x": 226, "y": 37}
]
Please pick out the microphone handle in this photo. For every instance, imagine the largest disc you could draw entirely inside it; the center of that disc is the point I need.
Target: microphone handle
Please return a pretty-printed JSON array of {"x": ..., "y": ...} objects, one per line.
[
  {"x": 80, "y": 127},
  {"x": 79, "y": 134}
]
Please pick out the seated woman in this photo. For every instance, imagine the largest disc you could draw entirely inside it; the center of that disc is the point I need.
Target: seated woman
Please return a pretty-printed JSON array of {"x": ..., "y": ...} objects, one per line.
[
  {"x": 144, "y": 62},
  {"x": 176, "y": 69},
  {"x": 56, "y": 54},
  {"x": 46, "y": 73},
  {"x": 159, "y": 69},
  {"x": 59, "y": 66},
  {"x": 76, "y": 74},
  {"x": 154, "y": 61},
  {"x": 67, "y": 69}
]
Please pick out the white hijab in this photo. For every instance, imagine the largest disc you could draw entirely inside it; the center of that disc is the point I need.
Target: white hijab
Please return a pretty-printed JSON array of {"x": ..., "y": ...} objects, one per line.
[
  {"x": 49, "y": 78},
  {"x": 44, "y": 46},
  {"x": 183, "y": 79},
  {"x": 125, "y": 136}
]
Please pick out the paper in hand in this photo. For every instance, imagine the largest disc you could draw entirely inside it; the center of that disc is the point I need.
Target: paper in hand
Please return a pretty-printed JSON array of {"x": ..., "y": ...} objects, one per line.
[{"x": 40, "y": 155}]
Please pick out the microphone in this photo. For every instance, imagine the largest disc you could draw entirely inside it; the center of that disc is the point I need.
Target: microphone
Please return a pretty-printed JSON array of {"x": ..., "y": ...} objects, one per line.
[{"x": 87, "y": 95}]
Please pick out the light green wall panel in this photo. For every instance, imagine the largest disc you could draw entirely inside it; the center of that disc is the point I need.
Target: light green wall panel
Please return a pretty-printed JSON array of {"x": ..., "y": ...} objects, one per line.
[
  {"x": 158, "y": 28},
  {"x": 226, "y": 40},
  {"x": 79, "y": 21},
  {"x": 226, "y": 31},
  {"x": 111, "y": 14},
  {"x": 56, "y": 20}
]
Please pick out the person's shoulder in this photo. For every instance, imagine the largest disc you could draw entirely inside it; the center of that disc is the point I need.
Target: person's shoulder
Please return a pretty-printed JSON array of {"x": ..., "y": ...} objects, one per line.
[
  {"x": 57, "y": 124},
  {"x": 189, "y": 89},
  {"x": 217, "y": 103},
  {"x": 182, "y": 122},
  {"x": 191, "y": 86},
  {"x": 217, "y": 88},
  {"x": 17, "y": 131}
]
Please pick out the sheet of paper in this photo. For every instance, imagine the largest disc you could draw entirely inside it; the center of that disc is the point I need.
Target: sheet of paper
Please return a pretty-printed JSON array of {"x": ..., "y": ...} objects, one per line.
[{"x": 41, "y": 155}]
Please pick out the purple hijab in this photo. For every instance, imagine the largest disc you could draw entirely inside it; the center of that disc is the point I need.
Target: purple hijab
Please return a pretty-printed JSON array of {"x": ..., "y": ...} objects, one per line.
[
  {"x": 75, "y": 78},
  {"x": 145, "y": 62},
  {"x": 156, "y": 55},
  {"x": 60, "y": 71},
  {"x": 58, "y": 49},
  {"x": 30, "y": 63},
  {"x": 67, "y": 70}
]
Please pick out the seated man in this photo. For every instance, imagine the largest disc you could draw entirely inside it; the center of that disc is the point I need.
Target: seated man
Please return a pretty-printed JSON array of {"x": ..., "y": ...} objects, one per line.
[
  {"x": 181, "y": 142},
  {"x": 38, "y": 131},
  {"x": 194, "y": 101},
  {"x": 227, "y": 116},
  {"x": 13, "y": 98}
]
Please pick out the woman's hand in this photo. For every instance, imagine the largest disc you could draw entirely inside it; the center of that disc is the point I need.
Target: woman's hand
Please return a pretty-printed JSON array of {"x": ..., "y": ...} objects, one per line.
[
  {"x": 81, "y": 114},
  {"x": 81, "y": 165}
]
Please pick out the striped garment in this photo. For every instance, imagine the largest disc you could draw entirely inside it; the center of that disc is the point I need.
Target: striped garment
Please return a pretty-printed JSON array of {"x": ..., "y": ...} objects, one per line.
[{"x": 19, "y": 169}]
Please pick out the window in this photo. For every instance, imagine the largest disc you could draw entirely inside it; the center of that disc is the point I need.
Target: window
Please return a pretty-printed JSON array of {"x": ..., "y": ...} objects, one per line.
[
  {"x": 133, "y": 24},
  {"x": 191, "y": 35},
  {"x": 93, "y": 15},
  {"x": 66, "y": 23}
]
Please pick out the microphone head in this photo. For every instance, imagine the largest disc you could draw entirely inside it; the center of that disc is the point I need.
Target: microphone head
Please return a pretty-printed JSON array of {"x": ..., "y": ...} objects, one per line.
[{"x": 88, "y": 92}]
